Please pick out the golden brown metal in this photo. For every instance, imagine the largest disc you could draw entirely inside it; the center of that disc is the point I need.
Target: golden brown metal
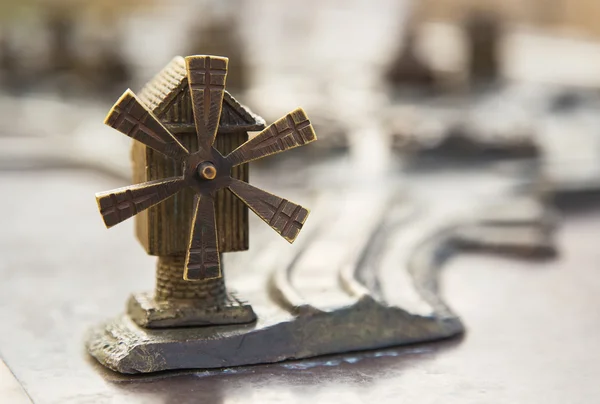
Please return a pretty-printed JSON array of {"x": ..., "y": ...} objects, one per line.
[
  {"x": 131, "y": 118},
  {"x": 285, "y": 217},
  {"x": 291, "y": 131},
  {"x": 206, "y": 78},
  {"x": 164, "y": 229},
  {"x": 205, "y": 171},
  {"x": 122, "y": 203},
  {"x": 202, "y": 261}
]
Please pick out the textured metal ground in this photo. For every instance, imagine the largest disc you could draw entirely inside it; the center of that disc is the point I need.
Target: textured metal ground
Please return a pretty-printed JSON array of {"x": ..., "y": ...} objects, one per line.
[
  {"x": 324, "y": 295},
  {"x": 522, "y": 316}
]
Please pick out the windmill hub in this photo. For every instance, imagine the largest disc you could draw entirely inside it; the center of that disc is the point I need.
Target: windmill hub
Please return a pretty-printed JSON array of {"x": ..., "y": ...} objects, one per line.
[{"x": 207, "y": 170}]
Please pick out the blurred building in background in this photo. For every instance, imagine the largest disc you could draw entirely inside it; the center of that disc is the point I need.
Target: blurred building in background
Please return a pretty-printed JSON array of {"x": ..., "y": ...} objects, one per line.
[
  {"x": 339, "y": 59},
  {"x": 559, "y": 15}
]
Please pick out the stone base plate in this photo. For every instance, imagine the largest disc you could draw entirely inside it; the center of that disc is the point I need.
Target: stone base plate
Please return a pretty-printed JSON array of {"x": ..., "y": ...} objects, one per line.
[
  {"x": 147, "y": 312},
  {"x": 125, "y": 347}
]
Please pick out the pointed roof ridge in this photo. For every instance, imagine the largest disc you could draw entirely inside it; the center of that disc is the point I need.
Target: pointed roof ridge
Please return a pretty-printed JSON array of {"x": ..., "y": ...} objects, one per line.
[
  {"x": 158, "y": 93},
  {"x": 244, "y": 111}
]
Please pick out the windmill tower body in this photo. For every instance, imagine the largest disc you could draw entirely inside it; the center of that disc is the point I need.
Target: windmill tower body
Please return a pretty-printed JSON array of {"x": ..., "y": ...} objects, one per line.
[
  {"x": 164, "y": 229},
  {"x": 191, "y": 201},
  {"x": 191, "y": 191}
]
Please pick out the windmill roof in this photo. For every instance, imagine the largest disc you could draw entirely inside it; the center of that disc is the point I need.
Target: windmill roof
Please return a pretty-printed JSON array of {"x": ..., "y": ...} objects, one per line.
[{"x": 160, "y": 91}]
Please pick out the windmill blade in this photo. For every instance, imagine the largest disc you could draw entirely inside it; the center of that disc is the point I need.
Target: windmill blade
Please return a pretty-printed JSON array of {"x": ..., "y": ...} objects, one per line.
[
  {"x": 130, "y": 117},
  {"x": 206, "y": 78},
  {"x": 291, "y": 131},
  {"x": 285, "y": 217},
  {"x": 122, "y": 203},
  {"x": 202, "y": 261}
]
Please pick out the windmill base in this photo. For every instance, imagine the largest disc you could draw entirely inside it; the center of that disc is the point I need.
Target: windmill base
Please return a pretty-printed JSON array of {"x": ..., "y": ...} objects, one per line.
[
  {"x": 125, "y": 347},
  {"x": 147, "y": 312}
]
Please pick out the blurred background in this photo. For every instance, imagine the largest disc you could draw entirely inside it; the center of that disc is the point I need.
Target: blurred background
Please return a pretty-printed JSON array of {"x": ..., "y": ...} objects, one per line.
[
  {"x": 449, "y": 103},
  {"x": 384, "y": 81}
]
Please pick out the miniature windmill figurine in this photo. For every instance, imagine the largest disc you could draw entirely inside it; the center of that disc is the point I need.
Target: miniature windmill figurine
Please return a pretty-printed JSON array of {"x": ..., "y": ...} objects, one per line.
[{"x": 197, "y": 88}]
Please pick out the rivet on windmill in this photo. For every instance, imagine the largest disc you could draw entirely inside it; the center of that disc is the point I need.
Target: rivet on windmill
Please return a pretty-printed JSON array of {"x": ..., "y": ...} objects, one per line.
[{"x": 196, "y": 165}]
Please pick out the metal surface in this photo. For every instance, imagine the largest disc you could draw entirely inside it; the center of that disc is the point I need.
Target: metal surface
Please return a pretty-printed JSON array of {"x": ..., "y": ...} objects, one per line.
[
  {"x": 354, "y": 317},
  {"x": 529, "y": 339},
  {"x": 149, "y": 312}
]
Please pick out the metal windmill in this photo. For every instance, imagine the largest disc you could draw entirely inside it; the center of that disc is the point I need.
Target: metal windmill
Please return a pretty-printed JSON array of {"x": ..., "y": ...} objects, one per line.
[{"x": 205, "y": 170}]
